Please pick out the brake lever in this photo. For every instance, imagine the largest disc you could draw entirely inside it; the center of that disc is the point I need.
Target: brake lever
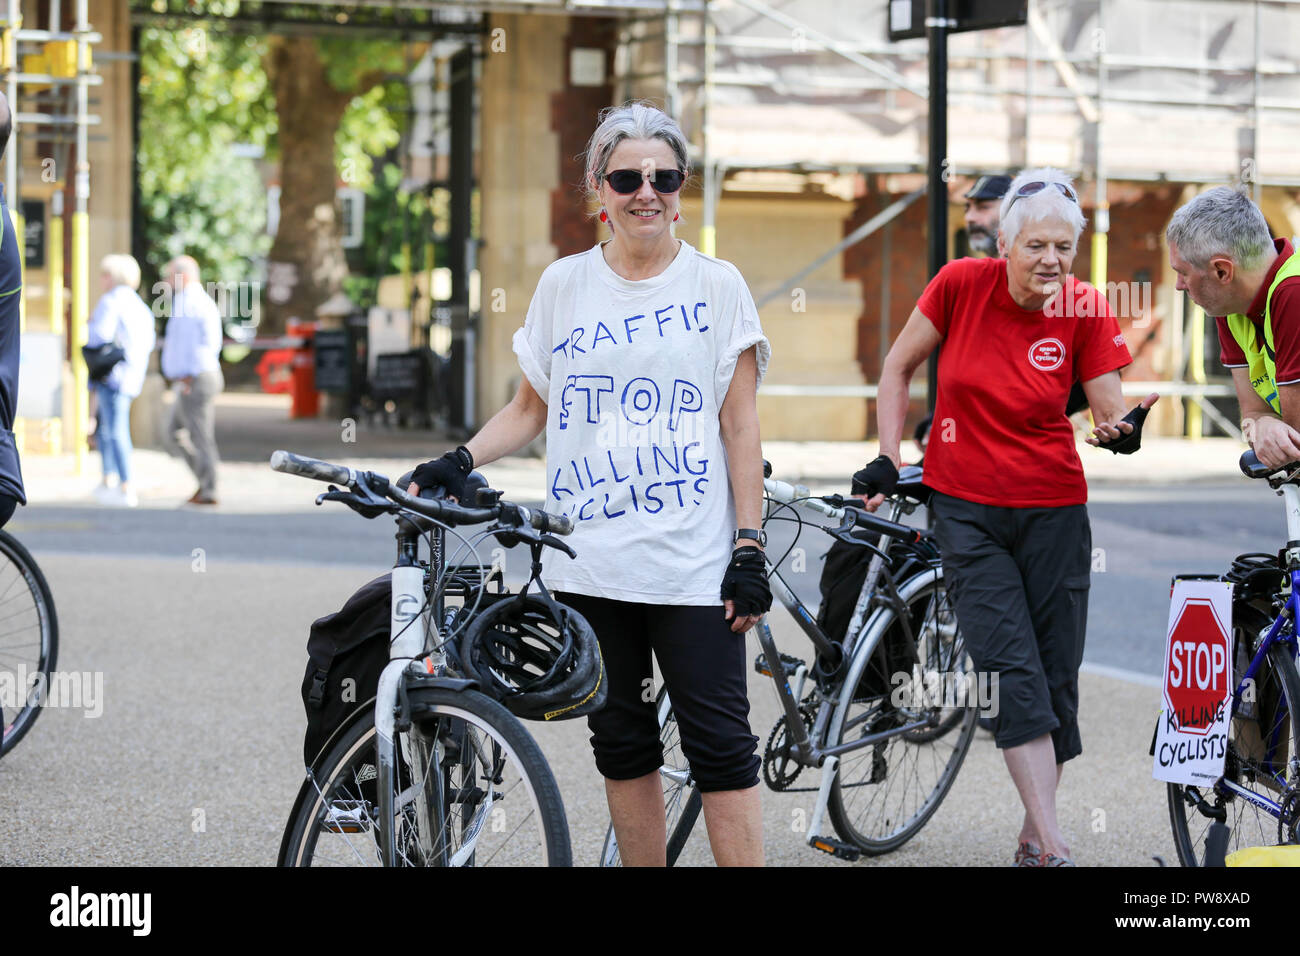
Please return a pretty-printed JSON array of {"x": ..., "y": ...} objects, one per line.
[
  {"x": 367, "y": 509},
  {"x": 551, "y": 541}
]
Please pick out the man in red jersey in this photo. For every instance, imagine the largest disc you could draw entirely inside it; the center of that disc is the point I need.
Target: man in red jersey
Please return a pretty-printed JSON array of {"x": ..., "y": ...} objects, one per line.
[{"x": 1009, "y": 491}]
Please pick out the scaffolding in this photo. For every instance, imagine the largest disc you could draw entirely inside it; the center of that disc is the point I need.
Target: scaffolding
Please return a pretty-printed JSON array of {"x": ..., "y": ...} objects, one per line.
[
  {"x": 803, "y": 95},
  {"x": 48, "y": 75}
]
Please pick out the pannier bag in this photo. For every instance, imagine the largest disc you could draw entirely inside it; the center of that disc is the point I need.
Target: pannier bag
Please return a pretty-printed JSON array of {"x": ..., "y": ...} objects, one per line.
[
  {"x": 346, "y": 652},
  {"x": 843, "y": 573}
]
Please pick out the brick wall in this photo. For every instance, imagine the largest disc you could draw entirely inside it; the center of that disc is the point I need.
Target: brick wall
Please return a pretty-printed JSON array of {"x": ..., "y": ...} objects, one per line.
[
  {"x": 1138, "y": 216},
  {"x": 573, "y": 117}
]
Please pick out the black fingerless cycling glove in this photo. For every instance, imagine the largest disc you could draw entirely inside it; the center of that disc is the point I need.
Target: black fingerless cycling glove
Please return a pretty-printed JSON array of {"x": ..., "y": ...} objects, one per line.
[
  {"x": 879, "y": 477},
  {"x": 1127, "y": 444},
  {"x": 745, "y": 582},
  {"x": 448, "y": 472}
]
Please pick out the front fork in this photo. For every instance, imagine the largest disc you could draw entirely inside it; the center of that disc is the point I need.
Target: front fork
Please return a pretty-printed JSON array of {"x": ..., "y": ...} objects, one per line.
[{"x": 386, "y": 713}]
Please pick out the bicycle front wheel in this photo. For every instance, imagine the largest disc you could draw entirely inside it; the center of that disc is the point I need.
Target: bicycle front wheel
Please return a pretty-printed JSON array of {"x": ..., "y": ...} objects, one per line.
[
  {"x": 1258, "y": 753},
  {"x": 29, "y": 640},
  {"x": 682, "y": 799},
  {"x": 884, "y": 792},
  {"x": 473, "y": 789}
]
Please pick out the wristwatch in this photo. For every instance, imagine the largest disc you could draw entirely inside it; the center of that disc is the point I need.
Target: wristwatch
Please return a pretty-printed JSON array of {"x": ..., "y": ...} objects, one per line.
[{"x": 751, "y": 533}]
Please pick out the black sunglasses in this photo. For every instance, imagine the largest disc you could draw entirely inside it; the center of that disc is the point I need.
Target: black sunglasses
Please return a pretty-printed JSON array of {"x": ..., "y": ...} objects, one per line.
[
  {"x": 1029, "y": 189},
  {"x": 627, "y": 181}
]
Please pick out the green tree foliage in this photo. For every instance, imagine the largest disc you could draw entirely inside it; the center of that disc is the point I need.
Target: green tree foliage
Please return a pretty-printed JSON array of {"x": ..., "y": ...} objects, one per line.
[
  {"x": 394, "y": 216},
  {"x": 201, "y": 93}
]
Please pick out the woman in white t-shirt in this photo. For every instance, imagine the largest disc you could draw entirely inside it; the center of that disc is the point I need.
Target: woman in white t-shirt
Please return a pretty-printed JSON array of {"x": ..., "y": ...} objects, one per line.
[
  {"x": 120, "y": 316},
  {"x": 641, "y": 359}
]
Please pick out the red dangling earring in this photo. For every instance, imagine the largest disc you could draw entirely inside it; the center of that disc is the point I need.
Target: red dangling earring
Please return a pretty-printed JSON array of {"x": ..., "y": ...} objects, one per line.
[
  {"x": 676, "y": 216},
  {"x": 604, "y": 216}
]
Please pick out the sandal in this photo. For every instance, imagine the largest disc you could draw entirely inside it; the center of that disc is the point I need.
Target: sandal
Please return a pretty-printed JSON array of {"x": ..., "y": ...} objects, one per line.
[
  {"x": 1051, "y": 859},
  {"x": 1028, "y": 855}
]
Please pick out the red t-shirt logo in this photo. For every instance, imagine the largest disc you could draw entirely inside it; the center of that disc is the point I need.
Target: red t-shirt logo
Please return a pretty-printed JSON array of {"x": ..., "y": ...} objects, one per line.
[{"x": 1046, "y": 355}]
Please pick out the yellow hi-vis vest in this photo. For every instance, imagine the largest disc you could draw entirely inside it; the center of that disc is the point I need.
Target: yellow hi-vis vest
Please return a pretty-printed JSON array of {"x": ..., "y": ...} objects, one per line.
[{"x": 1260, "y": 362}]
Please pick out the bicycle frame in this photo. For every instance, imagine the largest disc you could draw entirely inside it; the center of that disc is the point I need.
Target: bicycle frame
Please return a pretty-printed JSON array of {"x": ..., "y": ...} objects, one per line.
[
  {"x": 1283, "y": 630},
  {"x": 411, "y": 655},
  {"x": 865, "y": 632}
]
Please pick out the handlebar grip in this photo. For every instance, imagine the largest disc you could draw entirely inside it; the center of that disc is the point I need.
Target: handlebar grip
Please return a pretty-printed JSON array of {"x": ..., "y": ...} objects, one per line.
[
  {"x": 556, "y": 524},
  {"x": 292, "y": 464},
  {"x": 902, "y": 532}
]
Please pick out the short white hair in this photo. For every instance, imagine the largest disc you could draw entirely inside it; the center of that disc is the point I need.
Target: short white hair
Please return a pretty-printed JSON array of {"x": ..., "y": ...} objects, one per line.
[
  {"x": 1221, "y": 222},
  {"x": 121, "y": 269},
  {"x": 1048, "y": 204}
]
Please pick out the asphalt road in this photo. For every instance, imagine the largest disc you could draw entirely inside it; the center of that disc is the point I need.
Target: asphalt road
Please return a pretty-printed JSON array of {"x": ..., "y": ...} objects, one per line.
[
  {"x": 1142, "y": 535},
  {"x": 198, "y": 621}
]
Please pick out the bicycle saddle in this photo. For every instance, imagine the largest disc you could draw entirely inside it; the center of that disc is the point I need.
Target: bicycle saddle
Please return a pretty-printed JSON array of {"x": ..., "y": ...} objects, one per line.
[{"x": 1252, "y": 467}]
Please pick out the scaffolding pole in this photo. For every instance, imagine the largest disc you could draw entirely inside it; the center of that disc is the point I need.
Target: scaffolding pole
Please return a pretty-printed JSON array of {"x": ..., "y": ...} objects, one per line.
[
  {"x": 1101, "y": 224},
  {"x": 712, "y": 173}
]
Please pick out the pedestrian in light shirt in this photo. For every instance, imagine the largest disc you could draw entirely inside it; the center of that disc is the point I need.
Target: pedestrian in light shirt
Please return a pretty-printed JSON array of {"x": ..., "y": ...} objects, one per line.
[
  {"x": 120, "y": 316},
  {"x": 190, "y": 361}
]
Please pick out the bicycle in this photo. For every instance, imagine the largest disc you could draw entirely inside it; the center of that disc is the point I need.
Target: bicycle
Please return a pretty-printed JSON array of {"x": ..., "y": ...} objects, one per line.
[
  {"x": 435, "y": 773},
  {"x": 29, "y": 640},
  {"x": 1260, "y": 785},
  {"x": 867, "y": 741}
]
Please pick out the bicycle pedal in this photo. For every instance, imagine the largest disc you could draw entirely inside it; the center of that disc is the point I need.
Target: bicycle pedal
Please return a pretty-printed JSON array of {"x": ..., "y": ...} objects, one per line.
[
  {"x": 346, "y": 817},
  {"x": 789, "y": 664},
  {"x": 841, "y": 851}
]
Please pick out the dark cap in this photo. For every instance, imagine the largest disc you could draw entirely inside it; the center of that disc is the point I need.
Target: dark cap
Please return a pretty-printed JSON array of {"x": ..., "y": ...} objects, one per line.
[{"x": 990, "y": 187}]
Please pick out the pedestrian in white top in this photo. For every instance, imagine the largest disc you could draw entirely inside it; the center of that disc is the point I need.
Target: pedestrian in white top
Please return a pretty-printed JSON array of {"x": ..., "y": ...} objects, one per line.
[
  {"x": 190, "y": 361},
  {"x": 641, "y": 359},
  {"x": 120, "y": 317}
]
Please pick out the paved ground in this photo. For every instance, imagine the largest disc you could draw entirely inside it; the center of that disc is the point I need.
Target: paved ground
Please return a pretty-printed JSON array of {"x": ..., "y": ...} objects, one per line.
[{"x": 194, "y": 758}]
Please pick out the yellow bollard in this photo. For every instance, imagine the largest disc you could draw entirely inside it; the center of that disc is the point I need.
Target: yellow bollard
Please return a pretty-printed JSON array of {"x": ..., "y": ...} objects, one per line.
[
  {"x": 20, "y": 228},
  {"x": 708, "y": 240},
  {"x": 77, "y": 332},
  {"x": 1196, "y": 364},
  {"x": 54, "y": 258}
]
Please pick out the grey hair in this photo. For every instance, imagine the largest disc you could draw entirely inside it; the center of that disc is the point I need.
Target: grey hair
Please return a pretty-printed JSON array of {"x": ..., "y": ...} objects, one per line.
[
  {"x": 1222, "y": 221},
  {"x": 636, "y": 120},
  {"x": 121, "y": 269},
  {"x": 185, "y": 266},
  {"x": 1046, "y": 204}
]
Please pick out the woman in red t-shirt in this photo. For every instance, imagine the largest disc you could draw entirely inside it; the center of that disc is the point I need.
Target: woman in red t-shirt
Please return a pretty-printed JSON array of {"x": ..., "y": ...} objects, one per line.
[{"x": 1008, "y": 485}]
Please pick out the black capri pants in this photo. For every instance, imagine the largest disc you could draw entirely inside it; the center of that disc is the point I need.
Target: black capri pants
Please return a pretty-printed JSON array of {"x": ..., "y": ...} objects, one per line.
[
  {"x": 703, "y": 666},
  {"x": 1019, "y": 580}
]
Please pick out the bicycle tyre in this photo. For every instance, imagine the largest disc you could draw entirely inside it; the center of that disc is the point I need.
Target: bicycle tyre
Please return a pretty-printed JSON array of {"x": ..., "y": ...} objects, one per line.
[
  {"x": 513, "y": 815},
  {"x": 30, "y": 639},
  {"x": 867, "y": 807},
  {"x": 1249, "y": 825},
  {"x": 682, "y": 800}
]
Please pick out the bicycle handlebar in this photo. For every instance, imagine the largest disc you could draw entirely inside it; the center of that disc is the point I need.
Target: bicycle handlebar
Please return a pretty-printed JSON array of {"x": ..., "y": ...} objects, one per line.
[
  {"x": 788, "y": 494},
  {"x": 439, "y": 509},
  {"x": 305, "y": 467}
]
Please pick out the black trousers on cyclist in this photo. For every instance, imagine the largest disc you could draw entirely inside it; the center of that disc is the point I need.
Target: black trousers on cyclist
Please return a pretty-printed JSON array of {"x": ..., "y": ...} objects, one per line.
[
  {"x": 703, "y": 667},
  {"x": 1019, "y": 579}
]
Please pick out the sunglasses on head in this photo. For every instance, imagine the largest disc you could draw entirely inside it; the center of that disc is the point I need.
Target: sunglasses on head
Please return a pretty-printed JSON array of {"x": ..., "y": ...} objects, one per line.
[
  {"x": 627, "y": 181},
  {"x": 1029, "y": 189}
]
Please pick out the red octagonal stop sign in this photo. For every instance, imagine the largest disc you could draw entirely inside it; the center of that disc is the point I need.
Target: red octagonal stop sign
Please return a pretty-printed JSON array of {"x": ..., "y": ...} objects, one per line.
[{"x": 1196, "y": 680}]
